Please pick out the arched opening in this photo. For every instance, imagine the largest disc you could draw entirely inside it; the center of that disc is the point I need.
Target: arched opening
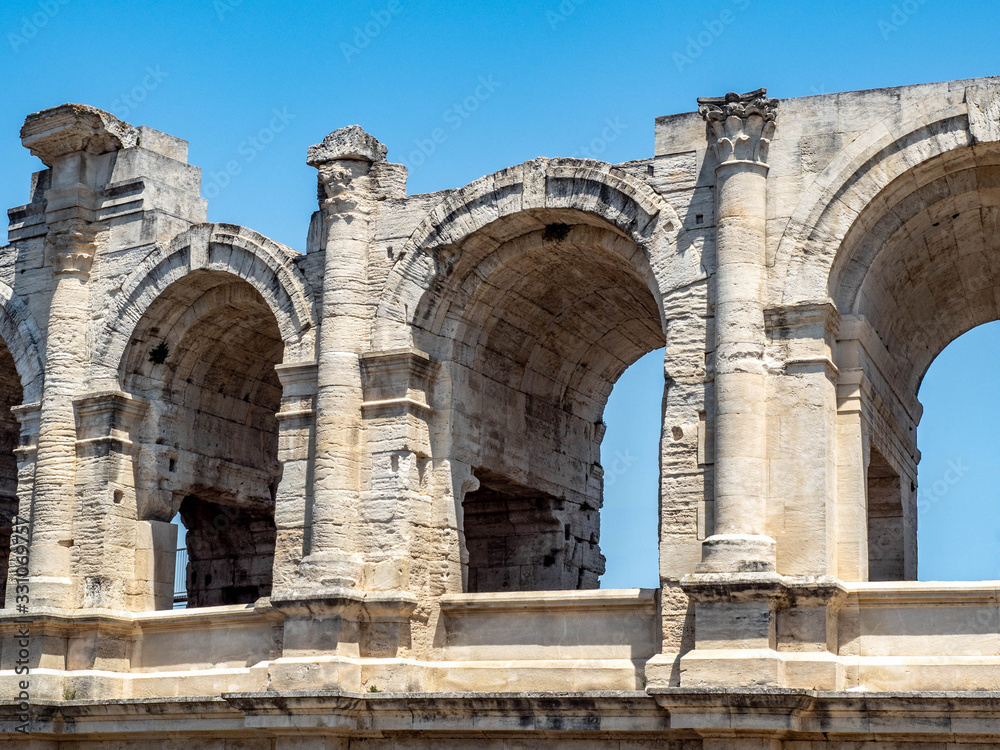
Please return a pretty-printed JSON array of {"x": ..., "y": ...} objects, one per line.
[
  {"x": 958, "y": 495},
  {"x": 540, "y": 315},
  {"x": 920, "y": 267},
  {"x": 10, "y": 396},
  {"x": 630, "y": 455},
  {"x": 204, "y": 355}
]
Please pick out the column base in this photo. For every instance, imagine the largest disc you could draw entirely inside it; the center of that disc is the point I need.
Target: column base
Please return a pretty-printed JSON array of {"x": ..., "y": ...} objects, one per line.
[
  {"x": 737, "y": 553},
  {"x": 763, "y": 630},
  {"x": 762, "y": 667},
  {"x": 49, "y": 591},
  {"x": 706, "y": 668},
  {"x": 331, "y": 569}
]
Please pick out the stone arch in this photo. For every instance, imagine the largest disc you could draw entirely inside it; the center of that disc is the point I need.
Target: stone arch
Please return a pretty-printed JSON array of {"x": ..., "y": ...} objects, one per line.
[
  {"x": 203, "y": 356},
  {"x": 242, "y": 253},
  {"x": 810, "y": 255},
  {"x": 21, "y": 376},
  {"x": 535, "y": 287},
  {"x": 24, "y": 341},
  {"x": 227, "y": 305},
  {"x": 602, "y": 193},
  {"x": 899, "y": 232}
]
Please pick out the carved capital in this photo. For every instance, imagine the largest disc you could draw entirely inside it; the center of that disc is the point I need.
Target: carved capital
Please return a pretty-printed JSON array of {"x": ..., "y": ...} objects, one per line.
[
  {"x": 344, "y": 159},
  {"x": 71, "y": 248},
  {"x": 396, "y": 382},
  {"x": 741, "y": 125}
]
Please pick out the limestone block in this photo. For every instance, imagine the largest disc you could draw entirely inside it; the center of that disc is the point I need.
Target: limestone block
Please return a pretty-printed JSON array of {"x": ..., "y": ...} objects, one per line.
[{"x": 387, "y": 452}]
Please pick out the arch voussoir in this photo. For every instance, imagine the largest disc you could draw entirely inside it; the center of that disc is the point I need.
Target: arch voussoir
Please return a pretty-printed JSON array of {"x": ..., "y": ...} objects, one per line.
[
  {"x": 491, "y": 206},
  {"x": 239, "y": 252}
]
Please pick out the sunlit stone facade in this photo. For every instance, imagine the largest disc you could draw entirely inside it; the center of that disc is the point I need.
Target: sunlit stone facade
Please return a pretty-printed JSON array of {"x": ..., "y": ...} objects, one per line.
[{"x": 385, "y": 448}]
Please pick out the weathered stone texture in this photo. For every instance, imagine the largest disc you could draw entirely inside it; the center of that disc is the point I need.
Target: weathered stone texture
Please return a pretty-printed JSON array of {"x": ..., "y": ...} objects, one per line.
[{"x": 386, "y": 451}]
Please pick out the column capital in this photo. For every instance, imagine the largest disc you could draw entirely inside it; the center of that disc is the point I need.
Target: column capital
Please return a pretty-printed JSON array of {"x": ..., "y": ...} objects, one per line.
[
  {"x": 344, "y": 159},
  {"x": 741, "y": 125},
  {"x": 71, "y": 247}
]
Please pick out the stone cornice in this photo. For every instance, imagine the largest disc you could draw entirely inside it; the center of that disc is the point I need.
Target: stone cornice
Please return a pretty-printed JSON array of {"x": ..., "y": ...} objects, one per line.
[
  {"x": 783, "y": 591},
  {"x": 773, "y": 712},
  {"x": 741, "y": 125},
  {"x": 351, "y": 142},
  {"x": 523, "y": 602},
  {"x": 663, "y": 713},
  {"x": 370, "y": 606},
  {"x": 70, "y": 128}
]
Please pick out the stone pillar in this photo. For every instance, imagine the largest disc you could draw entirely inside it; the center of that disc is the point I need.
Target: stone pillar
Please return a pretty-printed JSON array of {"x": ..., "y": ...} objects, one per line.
[
  {"x": 752, "y": 626},
  {"x": 72, "y": 251},
  {"x": 396, "y": 510},
  {"x": 27, "y": 417},
  {"x": 347, "y": 196},
  {"x": 123, "y": 563},
  {"x": 79, "y": 144},
  {"x": 741, "y": 127},
  {"x": 296, "y": 446},
  {"x": 802, "y": 476}
]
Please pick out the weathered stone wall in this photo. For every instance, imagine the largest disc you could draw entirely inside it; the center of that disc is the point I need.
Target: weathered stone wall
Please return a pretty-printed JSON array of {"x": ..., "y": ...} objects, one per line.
[{"x": 386, "y": 450}]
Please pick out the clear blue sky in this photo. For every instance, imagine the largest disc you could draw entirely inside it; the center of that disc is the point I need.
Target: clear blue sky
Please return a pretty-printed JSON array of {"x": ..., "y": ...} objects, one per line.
[{"x": 544, "y": 79}]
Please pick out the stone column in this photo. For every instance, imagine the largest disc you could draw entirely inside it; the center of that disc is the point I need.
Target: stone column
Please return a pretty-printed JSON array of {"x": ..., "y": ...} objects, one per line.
[
  {"x": 347, "y": 196},
  {"x": 740, "y": 127},
  {"x": 71, "y": 249},
  {"x": 79, "y": 144}
]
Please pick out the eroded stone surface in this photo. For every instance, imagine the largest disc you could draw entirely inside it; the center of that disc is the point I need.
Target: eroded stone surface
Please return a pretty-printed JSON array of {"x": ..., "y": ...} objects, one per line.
[{"x": 387, "y": 454}]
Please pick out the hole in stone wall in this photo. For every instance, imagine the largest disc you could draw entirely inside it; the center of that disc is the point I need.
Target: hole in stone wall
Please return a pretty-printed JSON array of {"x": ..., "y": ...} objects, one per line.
[
  {"x": 230, "y": 553},
  {"x": 555, "y": 232},
  {"x": 159, "y": 353}
]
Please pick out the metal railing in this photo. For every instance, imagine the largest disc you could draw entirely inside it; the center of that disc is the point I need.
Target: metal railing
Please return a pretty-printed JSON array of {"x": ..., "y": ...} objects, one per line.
[{"x": 180, "y": 579}]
